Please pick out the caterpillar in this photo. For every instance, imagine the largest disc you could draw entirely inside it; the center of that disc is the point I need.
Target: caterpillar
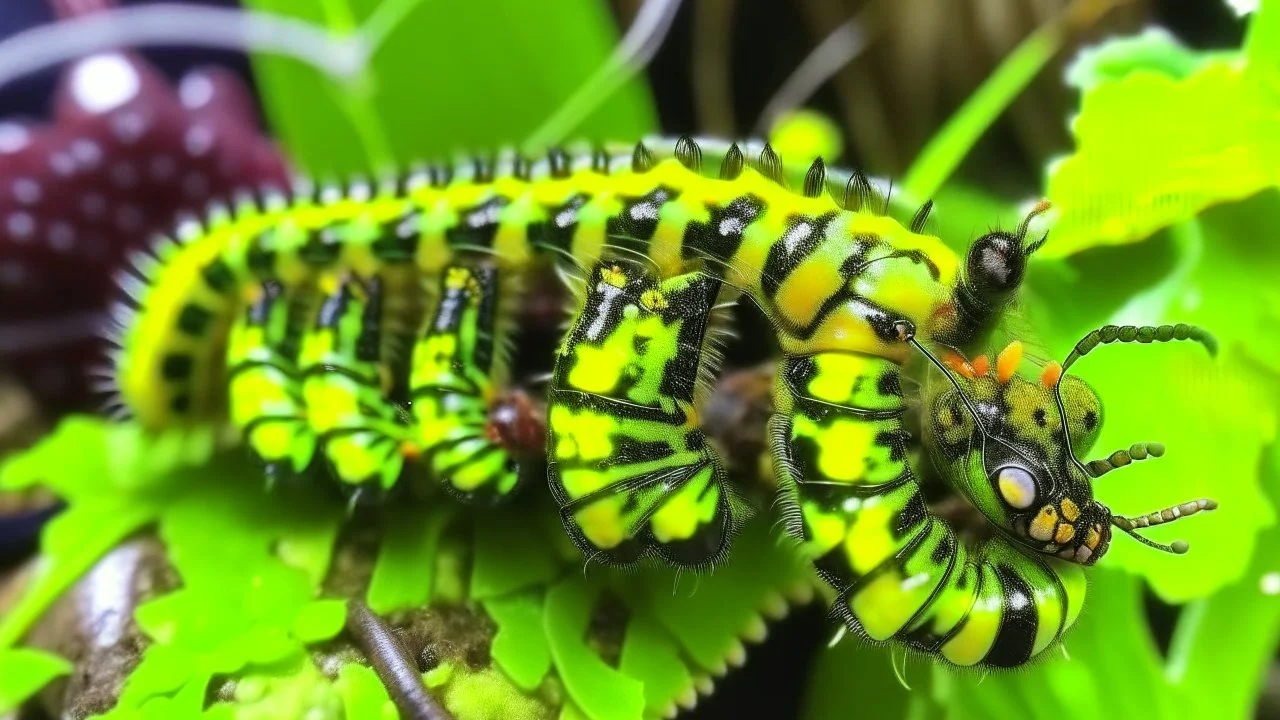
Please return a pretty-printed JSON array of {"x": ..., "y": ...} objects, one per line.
[{"x": 301, "y": 304}]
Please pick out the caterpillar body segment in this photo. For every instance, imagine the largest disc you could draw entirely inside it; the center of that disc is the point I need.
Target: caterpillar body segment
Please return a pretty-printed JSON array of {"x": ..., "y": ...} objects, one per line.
[
  {"x": 455, "y": 376},
  {"x": 903, "y": 574},
  {"x": 628, "y": 463},
  {"x": 786, "y": 250},
  {"x": 344, "y": 385},
  {"x": 263, "y": 386}
]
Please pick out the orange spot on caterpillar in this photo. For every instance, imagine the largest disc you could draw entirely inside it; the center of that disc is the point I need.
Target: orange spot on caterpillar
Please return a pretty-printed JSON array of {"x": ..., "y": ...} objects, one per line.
[
  {"x": 1052, "y": 373},
  {"x": 958, "y": 364},
  {"x": 1007, "y": 361},
  {"x": 410, "y": 450},
  {"x": 981, "y": 365}
]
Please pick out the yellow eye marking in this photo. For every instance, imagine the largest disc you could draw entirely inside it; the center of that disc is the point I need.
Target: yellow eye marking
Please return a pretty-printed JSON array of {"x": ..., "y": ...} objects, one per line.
[
  {"x": 1065, "y": 533},
  {"x": 1069, "y": 510},
  {"x": 1044, "y": 523},
  {"x": 1092, "y": 538},
  {"x": 1016, "y": 487}
]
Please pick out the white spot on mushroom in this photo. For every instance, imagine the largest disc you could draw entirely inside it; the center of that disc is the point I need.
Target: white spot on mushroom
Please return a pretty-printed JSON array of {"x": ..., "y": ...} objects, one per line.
[
  {"x": 195, "y": 91},
  {"x": 86, "y": 152},
  {"x": 13, "y": 137},
  {"x": 62, "y": 164},
  {"x": 104, "y": 82},
  {"x": 198, "y": 139},
  {"x": 26, "y": 191},
  {"x": 21, "y": 226},
  {"x": 128, "y": 126}
]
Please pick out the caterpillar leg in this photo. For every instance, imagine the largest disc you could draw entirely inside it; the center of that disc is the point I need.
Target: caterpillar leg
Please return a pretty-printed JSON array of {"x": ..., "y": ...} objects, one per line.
[
  {"x": 630, "y": 467},
  {"x": 453, "y": 388},
  {"x": 345, "y": 391},
  {"x": 265, "y": 393},
  {"x": 841, "y": 457}
]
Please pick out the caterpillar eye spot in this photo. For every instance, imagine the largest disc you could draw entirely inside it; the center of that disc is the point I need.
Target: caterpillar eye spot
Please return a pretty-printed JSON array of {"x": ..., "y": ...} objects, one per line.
[{"x": 1017, "y": 487}]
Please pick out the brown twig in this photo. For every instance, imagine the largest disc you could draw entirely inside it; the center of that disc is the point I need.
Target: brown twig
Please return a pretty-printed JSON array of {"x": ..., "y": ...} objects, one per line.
[{"x": 389, "y": 660}]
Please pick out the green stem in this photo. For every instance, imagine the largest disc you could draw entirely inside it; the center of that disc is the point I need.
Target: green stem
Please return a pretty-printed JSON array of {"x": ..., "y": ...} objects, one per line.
[
  {"x": 355, "y": 96},
  {"x": 949, "y": 146}
]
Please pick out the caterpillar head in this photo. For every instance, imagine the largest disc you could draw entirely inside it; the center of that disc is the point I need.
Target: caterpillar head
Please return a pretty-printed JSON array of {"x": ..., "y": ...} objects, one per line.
[{"x": 1008, "y": 442}]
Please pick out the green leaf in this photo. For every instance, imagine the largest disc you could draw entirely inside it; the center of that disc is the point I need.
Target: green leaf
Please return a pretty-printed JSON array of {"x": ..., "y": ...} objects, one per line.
[
  {"x": 599, "y": 691},
  {"x": 710, "y": 614},
  {"x": 24, "y": 672},
  {"x": 1152, "y": 50},
  {"x": 520, "y": 645},
  {"x": 1134, "y": 172},
  {"x": 855, "y": 673},
  {"x": 405, "y": 571},
  {"x": 505, "y": 558},
  {"x": 363, "y": 696},
  {"x": 1223, "y": 644},
  {"x": 320, "y": 620},
  {"x": 650, "y": 653},
  {"x": 446, "y": 78}
]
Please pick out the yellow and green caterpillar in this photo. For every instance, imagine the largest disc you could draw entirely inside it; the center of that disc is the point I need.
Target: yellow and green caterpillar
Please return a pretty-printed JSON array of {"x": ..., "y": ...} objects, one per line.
[{"x": 365, "y": 329}]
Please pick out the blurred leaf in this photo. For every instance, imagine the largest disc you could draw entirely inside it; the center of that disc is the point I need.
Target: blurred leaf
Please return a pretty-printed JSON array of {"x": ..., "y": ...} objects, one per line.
[
  {"x": 943, "y": 153},
  {"x": 1134, "y": 170},
  {"x": 450, "y": 77},
  {"x": 405, "y": 570},
  {"x": 1153, "y": 50},
  {"x": 600, "y": 691},
  {"x": 23, "y": 673},
  {"x": 505, "y": 559},
  {"x": 520, "y": 645},
  {"x": 857, "y": 674},
  {"x": 363, "y": 696},
  {"x": 1223, "y": 644}
]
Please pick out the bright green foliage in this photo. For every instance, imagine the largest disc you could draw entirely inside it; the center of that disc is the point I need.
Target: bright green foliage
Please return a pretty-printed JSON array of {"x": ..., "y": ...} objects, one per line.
[
  {"x": 1163, "y": 133},
  {"x": 433, "y": 84},
  {"x": 25, "y": 672},
  {"x": 250, "y": 606}
]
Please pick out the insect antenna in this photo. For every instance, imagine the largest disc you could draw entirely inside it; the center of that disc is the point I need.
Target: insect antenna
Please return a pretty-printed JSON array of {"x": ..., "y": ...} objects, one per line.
[
  {"x": 1139, "y": 334},
  {"x": 1121, "y": 333},
  {"x": 908, "y": 334},
  {"x": 1121, "y": 458},
  {"x": 1160, "y": 517}
]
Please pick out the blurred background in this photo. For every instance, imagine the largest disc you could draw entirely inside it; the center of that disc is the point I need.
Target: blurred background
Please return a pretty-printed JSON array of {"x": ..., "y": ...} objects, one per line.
[{"x": 199, "y": 122}]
